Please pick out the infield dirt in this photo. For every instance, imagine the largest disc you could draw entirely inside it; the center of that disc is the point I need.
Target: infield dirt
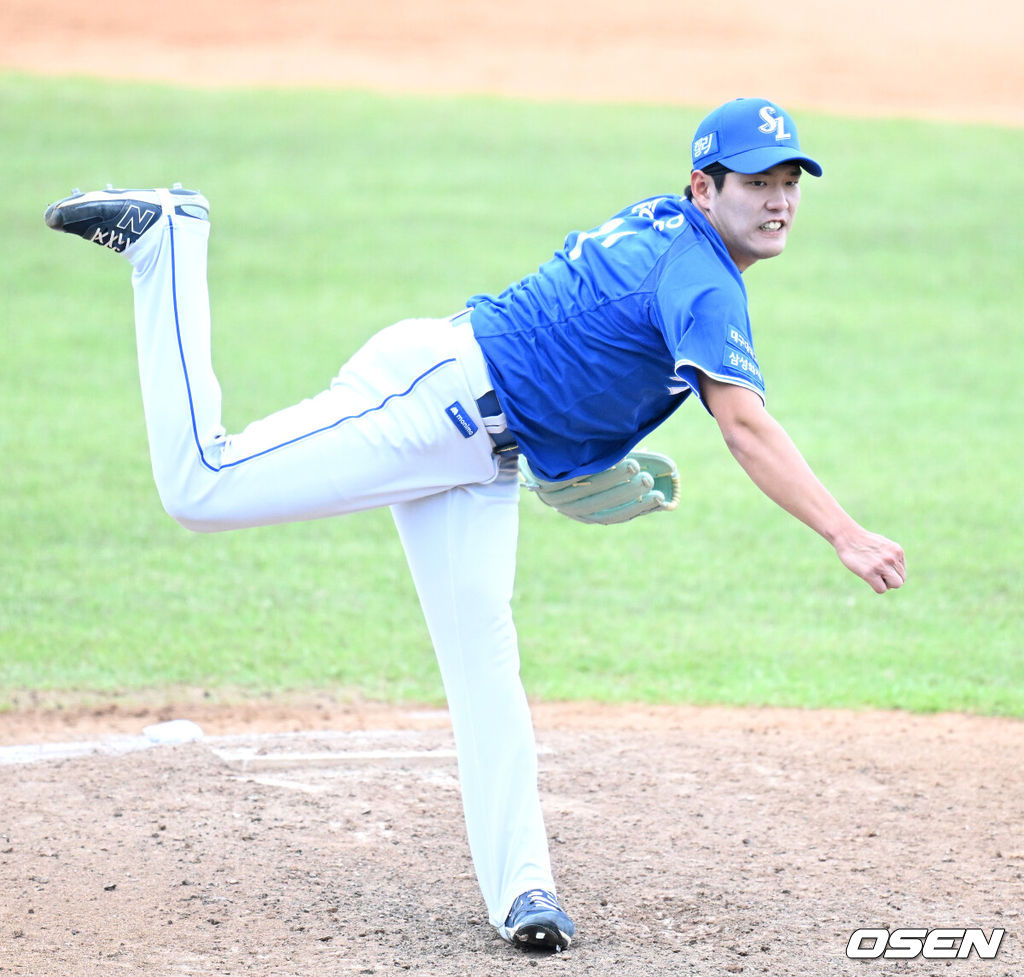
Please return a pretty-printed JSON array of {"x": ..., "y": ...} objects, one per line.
[{"x": 687, "y": 841}]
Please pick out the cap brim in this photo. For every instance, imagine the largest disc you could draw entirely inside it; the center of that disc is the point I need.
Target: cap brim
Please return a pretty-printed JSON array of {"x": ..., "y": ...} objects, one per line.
[{"x": 760, "y": 160}]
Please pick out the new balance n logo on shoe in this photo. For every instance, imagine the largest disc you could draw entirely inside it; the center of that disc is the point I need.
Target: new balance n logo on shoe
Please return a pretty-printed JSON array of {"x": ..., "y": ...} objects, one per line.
[
  {"x": 129, "y": 227},
  {"x": 135, "y": 220}
]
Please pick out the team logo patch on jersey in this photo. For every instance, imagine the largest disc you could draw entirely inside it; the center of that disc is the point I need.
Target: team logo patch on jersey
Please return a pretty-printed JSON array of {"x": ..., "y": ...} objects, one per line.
[{"x": 462, "y": 421}]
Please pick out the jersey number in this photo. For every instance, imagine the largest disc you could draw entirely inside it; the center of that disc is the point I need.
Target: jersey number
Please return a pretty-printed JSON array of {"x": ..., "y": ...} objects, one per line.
[{"x": 608, "y": 233}]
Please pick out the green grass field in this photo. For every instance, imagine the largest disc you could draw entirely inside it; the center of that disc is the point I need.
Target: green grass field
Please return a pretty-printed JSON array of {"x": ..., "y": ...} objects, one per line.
[{"x": 889, "y": 334}]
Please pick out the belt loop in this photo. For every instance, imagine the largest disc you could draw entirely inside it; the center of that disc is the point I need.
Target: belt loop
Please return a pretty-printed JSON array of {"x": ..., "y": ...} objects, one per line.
[{"x": 494, "y": 422}]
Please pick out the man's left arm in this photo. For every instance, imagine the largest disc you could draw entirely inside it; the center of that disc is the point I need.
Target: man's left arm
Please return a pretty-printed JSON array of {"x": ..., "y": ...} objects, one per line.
[{"x": 768, "y": 455}]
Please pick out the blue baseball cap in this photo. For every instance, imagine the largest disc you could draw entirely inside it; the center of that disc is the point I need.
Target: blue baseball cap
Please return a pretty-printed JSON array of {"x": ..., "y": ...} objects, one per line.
[{"x": 749, "y": 135}]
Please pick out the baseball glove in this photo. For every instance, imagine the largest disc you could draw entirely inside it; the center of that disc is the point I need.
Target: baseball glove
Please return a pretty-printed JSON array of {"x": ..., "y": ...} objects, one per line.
[{"x": 643, "y": 482}]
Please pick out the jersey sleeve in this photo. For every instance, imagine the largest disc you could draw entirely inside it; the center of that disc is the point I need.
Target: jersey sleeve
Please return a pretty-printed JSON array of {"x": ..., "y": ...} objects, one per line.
[{"x": 708, "y": 331}]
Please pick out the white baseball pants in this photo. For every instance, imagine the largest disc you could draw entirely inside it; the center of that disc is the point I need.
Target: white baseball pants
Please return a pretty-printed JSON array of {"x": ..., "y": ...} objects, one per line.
[{"x": 398, "y": 426}]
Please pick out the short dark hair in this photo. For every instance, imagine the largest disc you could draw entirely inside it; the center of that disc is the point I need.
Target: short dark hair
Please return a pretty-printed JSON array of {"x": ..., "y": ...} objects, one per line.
[{"x": 717, "y": 173}]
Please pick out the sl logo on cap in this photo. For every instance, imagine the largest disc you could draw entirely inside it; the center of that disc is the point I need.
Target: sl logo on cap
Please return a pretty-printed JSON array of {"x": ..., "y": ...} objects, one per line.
[{"x": 774, "y": 123}]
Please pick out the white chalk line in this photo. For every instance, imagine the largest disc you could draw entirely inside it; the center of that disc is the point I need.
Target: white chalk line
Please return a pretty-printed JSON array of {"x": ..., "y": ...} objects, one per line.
[{"x": 244, "y": 752}]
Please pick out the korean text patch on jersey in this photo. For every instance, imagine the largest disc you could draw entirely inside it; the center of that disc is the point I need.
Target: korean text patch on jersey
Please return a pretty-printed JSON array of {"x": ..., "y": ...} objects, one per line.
[{"x": 739, "y": 355}]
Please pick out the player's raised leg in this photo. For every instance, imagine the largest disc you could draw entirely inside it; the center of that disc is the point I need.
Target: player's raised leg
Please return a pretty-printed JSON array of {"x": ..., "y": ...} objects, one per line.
[
  {"x": 380, "y": 433},
  {"x": 461, "y": 550}
]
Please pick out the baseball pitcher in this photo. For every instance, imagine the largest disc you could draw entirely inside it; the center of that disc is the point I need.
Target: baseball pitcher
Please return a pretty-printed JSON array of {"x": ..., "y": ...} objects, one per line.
[{"x": 552, "y": 384}]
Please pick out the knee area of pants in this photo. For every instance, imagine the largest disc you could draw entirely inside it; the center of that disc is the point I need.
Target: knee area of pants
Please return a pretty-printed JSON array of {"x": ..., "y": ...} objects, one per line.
[
  {"x": 192, "y": 524},
  {"x": 188, "y": 514}
]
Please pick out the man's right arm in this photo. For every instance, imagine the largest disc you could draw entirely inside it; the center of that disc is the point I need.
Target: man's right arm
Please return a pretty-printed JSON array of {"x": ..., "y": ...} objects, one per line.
[{"x": 768, "y": 455}]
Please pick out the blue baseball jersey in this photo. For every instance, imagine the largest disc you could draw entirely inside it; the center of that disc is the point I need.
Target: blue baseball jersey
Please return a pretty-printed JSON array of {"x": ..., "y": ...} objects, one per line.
[{"x": 603, "y": 342}]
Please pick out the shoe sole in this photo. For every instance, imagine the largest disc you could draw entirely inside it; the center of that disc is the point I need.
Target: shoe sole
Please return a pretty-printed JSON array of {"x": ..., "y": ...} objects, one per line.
[
  {"x": 540, "y": 936},
  {"x": 54, "y": 215},
  {"x": 193, "y": 204}
]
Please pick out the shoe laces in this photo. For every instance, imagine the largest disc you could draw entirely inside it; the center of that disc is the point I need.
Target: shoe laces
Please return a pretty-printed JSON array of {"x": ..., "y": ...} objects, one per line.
[{"x": 540, "y": 899}]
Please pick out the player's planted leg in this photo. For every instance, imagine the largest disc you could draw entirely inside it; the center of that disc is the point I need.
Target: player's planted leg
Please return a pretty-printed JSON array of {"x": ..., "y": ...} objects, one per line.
[{"x": 460, "y": 545}]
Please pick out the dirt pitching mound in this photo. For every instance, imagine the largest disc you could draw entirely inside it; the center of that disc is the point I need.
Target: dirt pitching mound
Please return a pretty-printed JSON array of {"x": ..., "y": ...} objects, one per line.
[{"x": 689, "y": 841}]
